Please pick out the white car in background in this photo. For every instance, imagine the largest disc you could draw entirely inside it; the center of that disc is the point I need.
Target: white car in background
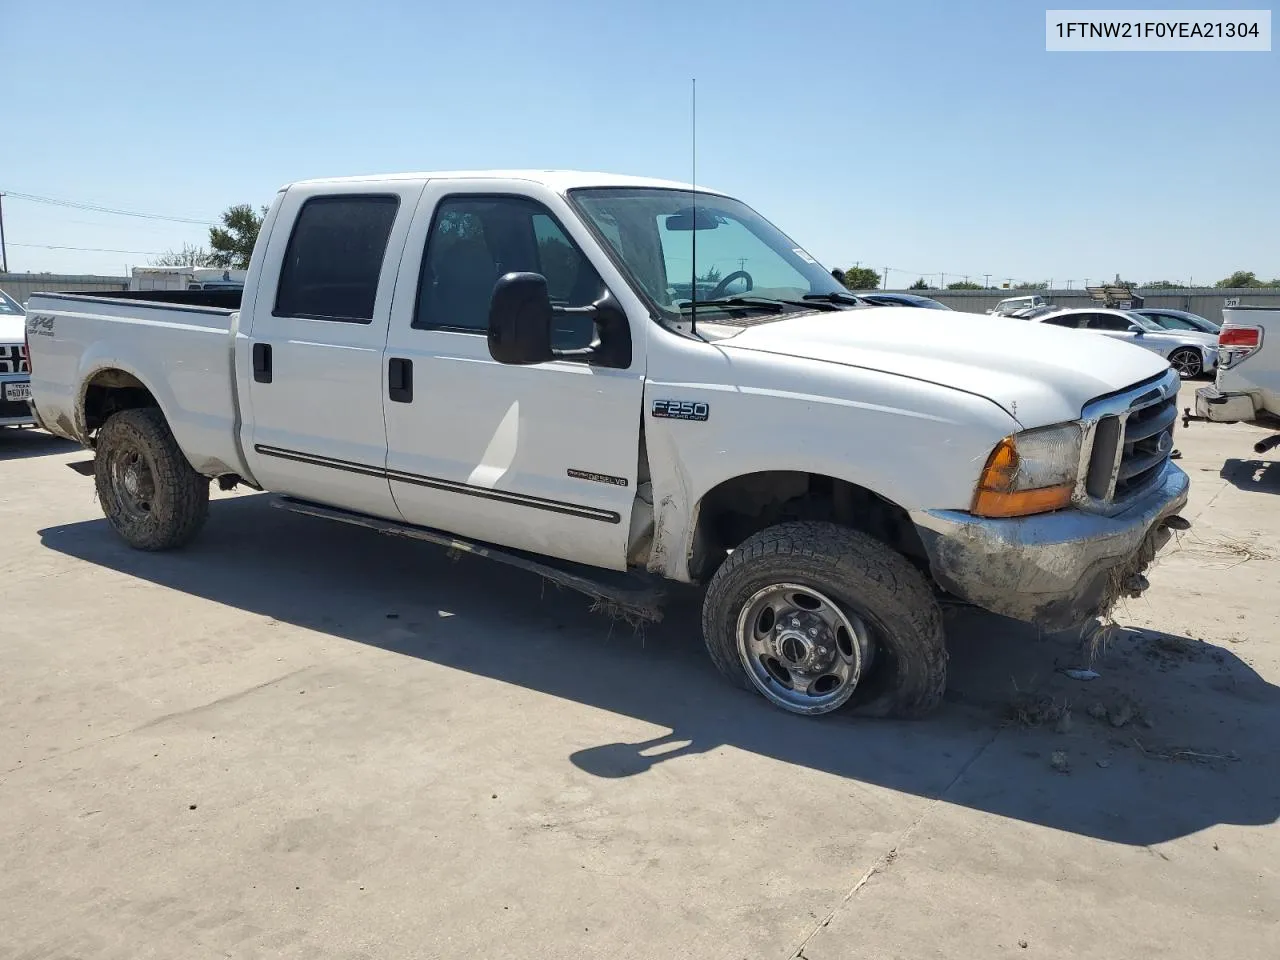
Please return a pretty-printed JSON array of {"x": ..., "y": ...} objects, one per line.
[
  {"x": 1015, "y": 305},
  {"x": 15, "y": 374},
  {"x": 1190, "y": 352}
]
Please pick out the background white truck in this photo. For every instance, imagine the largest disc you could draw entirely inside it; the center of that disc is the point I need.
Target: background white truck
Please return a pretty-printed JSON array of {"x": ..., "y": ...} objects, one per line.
[
  {"x": 1248, "y": 380},
  {"x": 185, "y": 278},
  {"x": 509, "y": 361},
  {"x": 15, "y": 382}
]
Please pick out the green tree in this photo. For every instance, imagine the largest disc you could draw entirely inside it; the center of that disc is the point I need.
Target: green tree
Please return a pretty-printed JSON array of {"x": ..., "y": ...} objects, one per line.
[
  {"x": 188, "y": 256},
  {"x": 964, "y": 285},
  {"x": 1028, "y": 285},
  {"x": 712, "y": 275},
  {"x": 920, "y": 285},
  {"x": 861, "y": 278},
  {"x": 232, "y": 243},
  {"x": 1161, "y": 285},
  {"x": 1241, "y": 278}
]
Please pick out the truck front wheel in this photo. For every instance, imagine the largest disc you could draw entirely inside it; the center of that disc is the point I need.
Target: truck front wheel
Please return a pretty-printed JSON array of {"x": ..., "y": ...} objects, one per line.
[
  {"x": 148, "y": 491},
  {"x": 815, "y": 616}
]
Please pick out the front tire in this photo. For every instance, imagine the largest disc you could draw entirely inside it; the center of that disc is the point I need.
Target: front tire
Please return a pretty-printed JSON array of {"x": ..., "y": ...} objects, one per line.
[
  {"x": 816, "y": 617},
  {"x": 148, "y": 491},
  {"x": 1188, "y": 361}
]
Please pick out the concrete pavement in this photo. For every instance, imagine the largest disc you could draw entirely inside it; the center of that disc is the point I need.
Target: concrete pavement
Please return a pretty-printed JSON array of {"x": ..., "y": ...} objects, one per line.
[{"x": 298, "y": 739}]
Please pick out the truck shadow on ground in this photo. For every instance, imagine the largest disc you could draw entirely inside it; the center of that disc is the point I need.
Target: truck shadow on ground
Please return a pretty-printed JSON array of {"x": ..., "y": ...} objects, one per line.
[
  {"x": 1196, "y": 748},
  {"x": 1252, "y": 476},
  {"x": 20, "y": 444}
]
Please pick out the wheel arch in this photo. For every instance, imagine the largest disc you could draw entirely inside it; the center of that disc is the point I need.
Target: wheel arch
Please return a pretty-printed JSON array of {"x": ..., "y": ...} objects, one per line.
[
  {"x": 740, "y": 506},
  {"x": 107, "y": 389}
]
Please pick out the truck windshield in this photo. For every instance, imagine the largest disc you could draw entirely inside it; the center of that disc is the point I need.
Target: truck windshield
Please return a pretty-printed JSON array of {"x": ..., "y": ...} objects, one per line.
[
  {"x": 9, "y": 306},
  {"x": 740, "y": 256}
]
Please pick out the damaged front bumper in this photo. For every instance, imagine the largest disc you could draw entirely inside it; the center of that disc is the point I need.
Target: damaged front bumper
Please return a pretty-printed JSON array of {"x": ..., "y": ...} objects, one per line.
[
  {"x": 1219, "y": 407},
  {"x": 1056, "y": 569}
]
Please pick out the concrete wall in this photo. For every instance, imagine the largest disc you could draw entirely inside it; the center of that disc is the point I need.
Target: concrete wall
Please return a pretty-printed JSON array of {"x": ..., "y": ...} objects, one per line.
[
  {"x": 1206, "y": 301},
  {"x": 20, "y": 286}
]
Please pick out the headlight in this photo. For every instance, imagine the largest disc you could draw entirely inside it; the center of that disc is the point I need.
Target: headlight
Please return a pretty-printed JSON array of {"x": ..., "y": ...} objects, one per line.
[{"x": 1030, "y": 472}]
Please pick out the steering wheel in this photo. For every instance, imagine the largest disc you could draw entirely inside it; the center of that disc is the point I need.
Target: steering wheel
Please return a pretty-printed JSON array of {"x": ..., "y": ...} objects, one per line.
[{"x": 723, "y": 285}]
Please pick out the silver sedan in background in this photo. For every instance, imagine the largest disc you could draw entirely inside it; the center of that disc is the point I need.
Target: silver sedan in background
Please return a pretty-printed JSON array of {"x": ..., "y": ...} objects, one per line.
[{"x": 1190, "y": 352}]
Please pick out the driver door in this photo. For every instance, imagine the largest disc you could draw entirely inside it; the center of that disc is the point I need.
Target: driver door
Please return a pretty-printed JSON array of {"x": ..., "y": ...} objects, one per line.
[{"x": 541, "y": 458}]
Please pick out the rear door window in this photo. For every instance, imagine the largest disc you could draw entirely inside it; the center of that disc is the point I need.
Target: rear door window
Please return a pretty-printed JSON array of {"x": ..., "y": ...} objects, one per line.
[{"x": 334, "y": 259}]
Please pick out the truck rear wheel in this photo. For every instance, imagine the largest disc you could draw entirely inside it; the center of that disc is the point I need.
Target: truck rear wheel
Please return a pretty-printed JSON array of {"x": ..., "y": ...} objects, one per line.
[
  {"x": 815, "y": 616},
  {"x": 148, "y": 491}
]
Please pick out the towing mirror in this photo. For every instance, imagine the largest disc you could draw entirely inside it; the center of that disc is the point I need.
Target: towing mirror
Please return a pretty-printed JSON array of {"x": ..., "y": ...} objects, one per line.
[
  {"x": 520, "y": 314},
  {"x": 520, "y": 325}
]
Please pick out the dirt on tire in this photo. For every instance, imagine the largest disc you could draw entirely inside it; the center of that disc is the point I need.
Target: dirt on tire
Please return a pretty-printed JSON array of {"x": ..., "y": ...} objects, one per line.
[
  {"x": 179, "y": 503},
  {"x": 908, "y": 674}
]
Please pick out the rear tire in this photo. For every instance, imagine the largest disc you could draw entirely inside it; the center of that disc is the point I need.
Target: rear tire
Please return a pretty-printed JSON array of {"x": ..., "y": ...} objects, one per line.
[
  {"x": 148, "y": 491},
  {"x": 873, "y": 589}
]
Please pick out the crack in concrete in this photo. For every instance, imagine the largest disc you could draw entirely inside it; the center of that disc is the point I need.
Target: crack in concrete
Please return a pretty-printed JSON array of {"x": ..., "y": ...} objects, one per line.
[
  {"x": 885, "y": 859},
  {"x": 156, "y": 721}
]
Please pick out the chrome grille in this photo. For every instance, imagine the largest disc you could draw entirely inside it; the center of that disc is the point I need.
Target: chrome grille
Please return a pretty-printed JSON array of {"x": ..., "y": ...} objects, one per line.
[
  {"x": 1128, "y": 437},
  {"x": 14, "y": 359}
]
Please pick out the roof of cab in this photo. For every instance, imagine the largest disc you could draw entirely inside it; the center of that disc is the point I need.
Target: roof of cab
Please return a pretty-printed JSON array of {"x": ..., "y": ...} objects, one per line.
[{"x": 558, "y": 180}]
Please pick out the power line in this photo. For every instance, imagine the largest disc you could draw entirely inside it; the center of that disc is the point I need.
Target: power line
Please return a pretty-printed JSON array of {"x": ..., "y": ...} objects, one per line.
[
  {"x": 98, "y": 208},
  {"x": 46, "y": 246}
]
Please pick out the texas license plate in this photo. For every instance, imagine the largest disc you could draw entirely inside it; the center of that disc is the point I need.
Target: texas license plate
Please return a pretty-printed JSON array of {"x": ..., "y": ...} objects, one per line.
[{"x": 17, "y": 391}]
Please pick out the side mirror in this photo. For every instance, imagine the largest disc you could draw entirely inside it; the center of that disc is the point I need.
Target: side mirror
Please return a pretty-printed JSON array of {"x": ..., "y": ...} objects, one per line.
[
  {"x": 520, "y": 314},
  {"x": 1134, "y": 328},
  {"x": 520, "y": 321}
]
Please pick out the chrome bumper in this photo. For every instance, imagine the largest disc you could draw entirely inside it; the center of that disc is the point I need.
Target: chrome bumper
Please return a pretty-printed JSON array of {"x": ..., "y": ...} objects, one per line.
[
  {"x": 1053, "y": 569},
  {"x": 1220, "y": 407}
]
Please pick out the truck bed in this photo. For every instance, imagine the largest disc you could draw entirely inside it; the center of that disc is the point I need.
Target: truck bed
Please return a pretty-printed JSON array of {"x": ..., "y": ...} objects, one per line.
[{"x": 175, "y": 344}]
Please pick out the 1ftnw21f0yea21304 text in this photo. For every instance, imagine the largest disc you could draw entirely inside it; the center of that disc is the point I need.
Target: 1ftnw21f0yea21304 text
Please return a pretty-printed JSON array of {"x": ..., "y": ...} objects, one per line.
[{"x": 1158, "y": 30}]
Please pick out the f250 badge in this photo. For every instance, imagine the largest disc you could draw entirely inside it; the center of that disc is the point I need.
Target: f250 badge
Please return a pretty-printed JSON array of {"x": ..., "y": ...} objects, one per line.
[{"x": 681, "y": 409}]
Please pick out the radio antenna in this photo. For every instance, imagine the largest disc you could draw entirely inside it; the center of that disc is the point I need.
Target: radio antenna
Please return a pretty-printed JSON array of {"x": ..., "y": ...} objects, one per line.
[{"x": 693, "y": 182}]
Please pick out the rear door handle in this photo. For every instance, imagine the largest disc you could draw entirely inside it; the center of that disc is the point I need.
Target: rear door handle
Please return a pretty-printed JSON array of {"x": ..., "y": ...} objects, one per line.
[
  {"x": 400, "y": 380},
  {"x": 262, "y": 362}
]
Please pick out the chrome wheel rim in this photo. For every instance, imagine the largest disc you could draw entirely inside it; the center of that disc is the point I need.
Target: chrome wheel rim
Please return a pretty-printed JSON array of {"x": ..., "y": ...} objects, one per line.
[
  {"x": 132, "y": 483},
  {"x": 1187, "y": 363},
  {"x": 801, "y": 650}
]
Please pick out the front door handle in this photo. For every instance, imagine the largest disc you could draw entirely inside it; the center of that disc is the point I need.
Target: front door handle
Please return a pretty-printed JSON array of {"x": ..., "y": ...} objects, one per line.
[
  {"x": 400, "y": 380},
  {"x": 262, "y": 362}
]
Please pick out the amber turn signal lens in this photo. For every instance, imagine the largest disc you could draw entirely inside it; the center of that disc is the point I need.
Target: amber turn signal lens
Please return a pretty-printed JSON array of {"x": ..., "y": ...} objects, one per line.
[
  {"x": 994, "y": 503},
  {"x": 997, "y": 494}
]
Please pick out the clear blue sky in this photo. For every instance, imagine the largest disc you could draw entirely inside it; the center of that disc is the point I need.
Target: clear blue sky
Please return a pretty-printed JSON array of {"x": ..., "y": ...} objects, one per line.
[{"x": 924, "y": 136}]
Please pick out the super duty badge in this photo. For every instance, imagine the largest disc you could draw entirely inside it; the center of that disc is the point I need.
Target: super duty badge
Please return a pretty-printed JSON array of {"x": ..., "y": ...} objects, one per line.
[{"x": 681, "y": 409}]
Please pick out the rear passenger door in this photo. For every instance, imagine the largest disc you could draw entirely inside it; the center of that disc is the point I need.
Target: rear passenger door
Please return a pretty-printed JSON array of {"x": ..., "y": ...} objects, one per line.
[{"x": 313, "y": 418}]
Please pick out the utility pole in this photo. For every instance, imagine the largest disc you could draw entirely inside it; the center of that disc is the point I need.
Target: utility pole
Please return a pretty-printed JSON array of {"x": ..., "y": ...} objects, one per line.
[
  {"x": 886, "y": 278},
  {"x": 987, "y": 284},
  {"x": 4, "y": 254},
  {"x": 942, "y": 284}
]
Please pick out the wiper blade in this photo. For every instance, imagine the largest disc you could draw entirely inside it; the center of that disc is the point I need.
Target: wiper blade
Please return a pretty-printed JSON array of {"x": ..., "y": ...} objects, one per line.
[
  {"x": 765, "y": 303},
  {"x": 739, "y": 303},
  {"x": 833, "y": 298}
]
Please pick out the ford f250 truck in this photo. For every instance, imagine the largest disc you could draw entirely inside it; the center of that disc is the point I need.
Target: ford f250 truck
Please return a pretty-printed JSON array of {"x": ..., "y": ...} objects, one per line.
[{"x": 511, "y": 363}]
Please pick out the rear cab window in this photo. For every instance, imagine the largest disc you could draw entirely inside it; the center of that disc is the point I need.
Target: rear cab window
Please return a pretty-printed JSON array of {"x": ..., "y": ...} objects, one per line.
[{"x": 334, "y": 258}]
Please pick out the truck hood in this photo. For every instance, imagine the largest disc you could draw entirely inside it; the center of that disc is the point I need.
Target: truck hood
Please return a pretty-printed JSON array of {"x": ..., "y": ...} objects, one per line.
[
  {"x": 1038, "y": 374},
  {"x": 12, "y": 328}
]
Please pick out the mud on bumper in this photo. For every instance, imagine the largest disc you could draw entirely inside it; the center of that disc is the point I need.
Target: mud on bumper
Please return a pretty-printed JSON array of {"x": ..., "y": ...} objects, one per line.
[{"x": 1057, "y": 569}]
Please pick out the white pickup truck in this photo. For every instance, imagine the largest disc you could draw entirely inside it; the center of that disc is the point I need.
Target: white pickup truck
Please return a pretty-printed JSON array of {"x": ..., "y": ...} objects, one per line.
[
  {"x": 509, "y": 362},
  {"x": 15, "y": 384}
]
